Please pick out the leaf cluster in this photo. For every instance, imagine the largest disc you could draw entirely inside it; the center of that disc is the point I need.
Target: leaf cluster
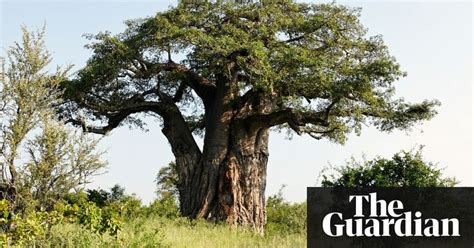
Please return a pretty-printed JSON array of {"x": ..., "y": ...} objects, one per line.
[{"x": 404, "y": 169}]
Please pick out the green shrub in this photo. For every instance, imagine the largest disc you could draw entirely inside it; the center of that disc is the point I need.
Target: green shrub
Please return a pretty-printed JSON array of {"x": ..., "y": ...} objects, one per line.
[
  {"x": 164, "y": 207},
  {"x": 90, "y": 216},
  {"x": 130, "y": 206},
  {"x": 284, "y": 217},
  {"x": 108, "y": 219},
  {"x": 22, "y": 230},
  {"x": 111, "y": 221},
  {"x": 76, "y": 198},
  {"x": 404, "y": 169}
]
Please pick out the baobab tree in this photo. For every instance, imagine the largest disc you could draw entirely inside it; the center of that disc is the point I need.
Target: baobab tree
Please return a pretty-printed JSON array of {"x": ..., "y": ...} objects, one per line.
[{"x": 232, "y": 72}]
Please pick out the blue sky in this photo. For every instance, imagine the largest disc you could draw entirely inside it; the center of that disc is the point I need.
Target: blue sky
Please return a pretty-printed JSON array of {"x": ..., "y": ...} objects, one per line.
[{"x": 431, "y": 40}]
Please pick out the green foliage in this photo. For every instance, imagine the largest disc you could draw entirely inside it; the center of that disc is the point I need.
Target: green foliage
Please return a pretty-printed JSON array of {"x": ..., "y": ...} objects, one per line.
[
  {"x": 163, "y": 207},
  {"x": 117, "y": 193},
  {"x": 35, "y": 227},
  {"x": 58, "y": 159},
  {"x": 405, "y": 169},
  {"x": 127, "y": 205},
  {"x": 130, "y": 206},
  {"x": 23, "y": 230},
  {"x": 90, "y": 216},
  {"x": 27, "y": 92},
  {"x": 166, "y": 204},
  {"x": 98, "y": 196},
  {"x": 108, "y": 219},
  {"x": 314, "y": 62},
  {"x": 284, "y": 217},
  {"x": 76, "y": 198},
  {"x": 86, "y": 225},
  {"x": 167, "y": 181}
]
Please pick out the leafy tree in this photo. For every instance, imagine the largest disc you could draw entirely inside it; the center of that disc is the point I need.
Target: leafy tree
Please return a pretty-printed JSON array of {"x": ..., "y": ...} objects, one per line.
[
  {"x": 26, "y": 94},
  {"x": 231, "y": 72},
  {"x": 116, "y": 197},
  {"x": 117, "y": 193},
  {"x": 167, "y": 191},
  {"x": 58, "y": 159},
  {"x": 167, "y": 181},
  {"x": 405, "y": 169},
  {"x": 99, "y": 197}
]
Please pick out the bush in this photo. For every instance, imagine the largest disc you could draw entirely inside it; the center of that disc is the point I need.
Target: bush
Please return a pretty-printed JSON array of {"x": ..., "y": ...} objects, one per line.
[
  {"x": 76, "y": 198},
  {"x": 164, "y": 207},
  {"x": 405, "y": 169},
  {"x": 22, "y": 230},
  {"x": 97, "y": 220},
  {"x": 284, "y": 217}
]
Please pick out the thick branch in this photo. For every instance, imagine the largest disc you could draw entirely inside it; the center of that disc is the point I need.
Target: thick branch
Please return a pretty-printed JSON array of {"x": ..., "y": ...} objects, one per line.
[
  {"x": 114, "y": 120},
  {"x": 201, "y": 85},
  {"x": 175, "y": 128},
  {"x": 294, "y": 118},
  {"x": 179, "y": 92}
]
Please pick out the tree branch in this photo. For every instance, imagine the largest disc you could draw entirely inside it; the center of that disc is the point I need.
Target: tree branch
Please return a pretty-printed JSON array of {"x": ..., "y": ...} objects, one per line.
[
  {"x": 294, "y": 118},
  {"x": 201, "y": 85},
  {"x": 114, "y": 120}
]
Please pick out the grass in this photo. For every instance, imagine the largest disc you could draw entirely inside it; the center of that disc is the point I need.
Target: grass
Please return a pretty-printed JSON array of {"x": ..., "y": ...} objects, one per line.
[{"x": 159, "y": 232}]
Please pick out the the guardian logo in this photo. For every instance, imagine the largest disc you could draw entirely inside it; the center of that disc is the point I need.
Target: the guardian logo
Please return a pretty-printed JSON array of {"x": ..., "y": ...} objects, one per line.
[{"x": 378, "y": 218}]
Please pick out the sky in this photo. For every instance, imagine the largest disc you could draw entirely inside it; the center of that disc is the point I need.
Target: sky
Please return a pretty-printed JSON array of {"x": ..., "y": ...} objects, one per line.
[{"x": 431, "y": 40}]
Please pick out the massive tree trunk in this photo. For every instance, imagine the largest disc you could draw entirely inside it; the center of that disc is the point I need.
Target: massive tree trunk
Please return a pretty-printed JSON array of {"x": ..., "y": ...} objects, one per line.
[
  {"x": 242, "y": 179},
  {"x": 230, "y": 188},
  {"x": 226, "y": 182}
]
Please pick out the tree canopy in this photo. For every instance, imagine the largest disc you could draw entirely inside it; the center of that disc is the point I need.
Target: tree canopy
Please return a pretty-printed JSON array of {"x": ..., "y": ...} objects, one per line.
[{"x": 314, "y": 62}]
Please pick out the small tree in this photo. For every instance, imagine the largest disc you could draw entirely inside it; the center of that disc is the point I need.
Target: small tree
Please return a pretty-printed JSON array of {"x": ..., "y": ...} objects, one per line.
[
  {"x": 27, "y": 93},
  {"x": 58, "y": 162},
  {"x": 167, "y": 181},
  {"x": 167, "y": 192},
  {"x": 117, "y": 193},
  {"x": 59, "y": 159},
  {"x": 405, "y": 169}
]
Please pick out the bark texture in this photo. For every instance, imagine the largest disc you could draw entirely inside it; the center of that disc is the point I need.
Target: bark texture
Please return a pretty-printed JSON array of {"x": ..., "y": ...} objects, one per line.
[
  {"x": 226, "y": 182},
  {"x": 242, "y": 180},
  {"x": 230, "y": 188}
]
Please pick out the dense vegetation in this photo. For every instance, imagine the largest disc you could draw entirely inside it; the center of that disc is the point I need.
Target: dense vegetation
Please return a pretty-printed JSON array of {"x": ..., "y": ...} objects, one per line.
[
  {"x": 97, "y": 218},
  {"x": 404, "y": 169}
]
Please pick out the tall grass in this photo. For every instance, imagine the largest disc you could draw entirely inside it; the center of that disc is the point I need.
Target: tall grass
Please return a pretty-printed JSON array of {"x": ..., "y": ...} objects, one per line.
[{"x": 161, "y": 232}]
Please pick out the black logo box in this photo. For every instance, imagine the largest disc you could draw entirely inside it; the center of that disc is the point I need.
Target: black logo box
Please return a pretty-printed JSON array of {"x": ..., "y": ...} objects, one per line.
[{"x": 435, "y": 203}]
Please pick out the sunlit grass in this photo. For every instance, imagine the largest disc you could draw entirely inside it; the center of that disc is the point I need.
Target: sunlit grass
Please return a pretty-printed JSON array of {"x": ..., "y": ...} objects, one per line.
[{"x": 159, "y": 232}]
